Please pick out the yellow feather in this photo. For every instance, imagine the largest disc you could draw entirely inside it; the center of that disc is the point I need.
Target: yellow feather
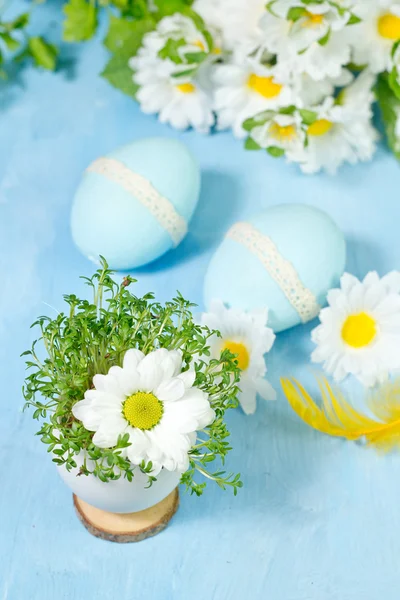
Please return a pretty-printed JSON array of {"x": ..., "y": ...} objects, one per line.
[{"x": 337, "y": 417}]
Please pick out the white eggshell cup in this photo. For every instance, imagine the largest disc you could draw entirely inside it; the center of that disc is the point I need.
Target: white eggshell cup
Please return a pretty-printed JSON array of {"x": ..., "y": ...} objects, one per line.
[{"x": 121, "y": 495}]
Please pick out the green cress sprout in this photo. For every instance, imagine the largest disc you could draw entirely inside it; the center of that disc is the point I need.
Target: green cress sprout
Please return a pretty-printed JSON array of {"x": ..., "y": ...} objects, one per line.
[{"x": 93, "y": 336}]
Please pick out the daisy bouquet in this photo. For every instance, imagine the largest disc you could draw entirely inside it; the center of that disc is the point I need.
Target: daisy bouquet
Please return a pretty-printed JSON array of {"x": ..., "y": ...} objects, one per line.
[
  {"x": 128, "y": 385},
  {"x": 296, "y": 78}
]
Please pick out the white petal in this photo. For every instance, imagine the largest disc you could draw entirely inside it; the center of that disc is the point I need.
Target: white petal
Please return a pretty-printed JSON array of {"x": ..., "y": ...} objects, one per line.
[
  {"x": 188, "y": 378},
  {"x": 110, "y": 429},
  {"x": 150, "y": 372},
  {"x": 132, "y": 358},
  {"x": 108, "y": 383},
  {"x": 84, "y": 412},
  {"x": 248, "y": 399},
  {"x": 265, "y": 389},
  {"x": 170, "y": 390}
]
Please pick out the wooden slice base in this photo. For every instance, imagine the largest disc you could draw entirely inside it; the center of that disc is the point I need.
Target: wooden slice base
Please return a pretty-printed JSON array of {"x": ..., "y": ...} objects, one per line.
[{"x": 132, "y": 527}]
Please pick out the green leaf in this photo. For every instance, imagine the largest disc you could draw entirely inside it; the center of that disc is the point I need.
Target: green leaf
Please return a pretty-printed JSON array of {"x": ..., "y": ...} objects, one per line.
[
  {"x": 19, "y": 23},
  {"x": 394, "y": 81},
  {"x": 308, "y": 116},
  {"x": 186, "y": 73},
  {"x": 118, "y": 72},
  {"x": 288, "y": 110},
  {"x": 195, "y": 57},
  {"x": 250, "y": 144},
  {"x": 43, "y": 53},
  {"x": 390, "y": 109},
  {"x": 324, "y": 40},
  {"x": 256, "y": 121},
  {"x": 295, "y": 13},
  {"x": 122, "y": 30},
  {"x": 80, "y": 21},
  {"x": 394, "y": 48},
  {"x": 170, "y": 7},
  {"x": 9, "y": 41},
  {"x": 275, "y": 151},
  {"x": 171, "y": 50},
  {"x": 353, "y": 20}
]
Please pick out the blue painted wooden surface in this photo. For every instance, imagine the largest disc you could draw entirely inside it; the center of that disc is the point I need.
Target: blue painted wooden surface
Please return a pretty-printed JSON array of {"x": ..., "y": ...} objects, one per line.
[{"x": 318, "y": 518}]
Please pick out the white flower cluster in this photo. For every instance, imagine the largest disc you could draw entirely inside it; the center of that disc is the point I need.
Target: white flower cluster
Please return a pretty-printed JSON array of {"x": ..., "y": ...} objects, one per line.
[{"x": 294, "y": 77}]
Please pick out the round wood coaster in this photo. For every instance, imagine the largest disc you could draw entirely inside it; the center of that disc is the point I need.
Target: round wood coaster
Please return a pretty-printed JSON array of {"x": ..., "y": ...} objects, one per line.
[{"x": 131, "y": 527}]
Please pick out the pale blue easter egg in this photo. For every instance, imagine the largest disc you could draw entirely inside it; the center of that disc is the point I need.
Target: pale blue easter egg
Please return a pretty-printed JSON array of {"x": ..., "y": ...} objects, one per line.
[
  {"x": 286, "y": 259},
  {"x": 135, "y": 204}
]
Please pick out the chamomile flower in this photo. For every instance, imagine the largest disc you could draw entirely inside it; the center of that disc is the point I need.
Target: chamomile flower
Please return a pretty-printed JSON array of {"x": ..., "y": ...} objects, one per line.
[
  {"x": 152, "y": 400},
  {"x": 180, "y": 101},
  {"x": 308, "y": 37},
  {"x": 244, "y": 87},
  {"x": 279, "y": 133},
  {"x": 302, "y": 23},
  {"x": 359, "y": 332},
  {"x": 245, "y": 334},
  {"x": 341, "y": 132},
  {"x": 375, "y": 35}
]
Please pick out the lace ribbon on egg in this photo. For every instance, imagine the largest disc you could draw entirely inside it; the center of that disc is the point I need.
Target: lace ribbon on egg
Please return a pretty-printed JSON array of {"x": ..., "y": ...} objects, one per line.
[
  {"x": 281, "y": 270},
  {"x": 138, "y": 186}
]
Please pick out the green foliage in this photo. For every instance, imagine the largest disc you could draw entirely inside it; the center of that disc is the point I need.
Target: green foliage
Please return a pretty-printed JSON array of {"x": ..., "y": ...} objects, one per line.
[
  {"x": 275, "y": 151},
  {"x": 16, "y": 45},
  {"x": 95, "y": 335},
  {"x": 80, "y": 21},
  {"x": 308, "y": 116},
  {"x": 124, "y": 39},
  {"x": 43, "y": 53},
  {"x": 251, "y": 144},
  {"x": 389, "y": 104}
]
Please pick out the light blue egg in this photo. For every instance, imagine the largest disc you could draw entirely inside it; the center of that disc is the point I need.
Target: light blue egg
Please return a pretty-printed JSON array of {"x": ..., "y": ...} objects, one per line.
[
  {"x": 135, "y": 204},
  {"x": 286, "y": 258}
]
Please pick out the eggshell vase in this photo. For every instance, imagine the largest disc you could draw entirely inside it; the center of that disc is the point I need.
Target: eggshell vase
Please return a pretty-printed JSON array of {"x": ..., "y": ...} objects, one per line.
[
  {"x": 286, "y": 258},
  {"x": 135, "y": 204},
  {"x": 121, "y": 495}
]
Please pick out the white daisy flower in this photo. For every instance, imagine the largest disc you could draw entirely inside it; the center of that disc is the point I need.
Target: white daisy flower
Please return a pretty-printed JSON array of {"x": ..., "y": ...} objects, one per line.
[
  {"x": 313, "y": 22},
  {"x": 280, "y": 133},
  {"x": 314, "y": 43},
  {"x": 245, "y": 87},
  {"x": 373, "y": 38},
  {"x": 246, "y": 335},
  {"x": 342, "y": 132},
  {"x": 360, "y": 329},
  {"x": 180, "y": 101},
  {"x": 154, "y": 402}
]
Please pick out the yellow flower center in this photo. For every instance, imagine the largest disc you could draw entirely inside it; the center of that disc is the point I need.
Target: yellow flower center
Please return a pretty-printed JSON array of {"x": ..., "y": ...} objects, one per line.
[
  {"x": 217, "y": 50},
  {"x": 265, "y": 86},
  {"x": 389, "y": 26},
  {"x": 320, "y": 127},
  {"x": 282, "y": 133},
  {"x": 143, "y": 410},
  {"x": 359, "y": 330},
  {"x": 199, "y": 44},
  {"x": 312, "y": 19},
  {"x": 242, "y": 354},
  {"x": 186, "y": 88}
]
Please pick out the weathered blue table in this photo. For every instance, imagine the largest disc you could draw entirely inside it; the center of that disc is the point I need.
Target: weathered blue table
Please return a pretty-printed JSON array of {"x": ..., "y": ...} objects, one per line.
[{"x": 318, "y": 518}]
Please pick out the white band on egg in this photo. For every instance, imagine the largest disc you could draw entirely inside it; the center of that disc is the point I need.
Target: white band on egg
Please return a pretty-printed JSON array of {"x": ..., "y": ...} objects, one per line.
[
  {"x": 160, "y": 207},
  {"x": 280, "y": 269}
]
